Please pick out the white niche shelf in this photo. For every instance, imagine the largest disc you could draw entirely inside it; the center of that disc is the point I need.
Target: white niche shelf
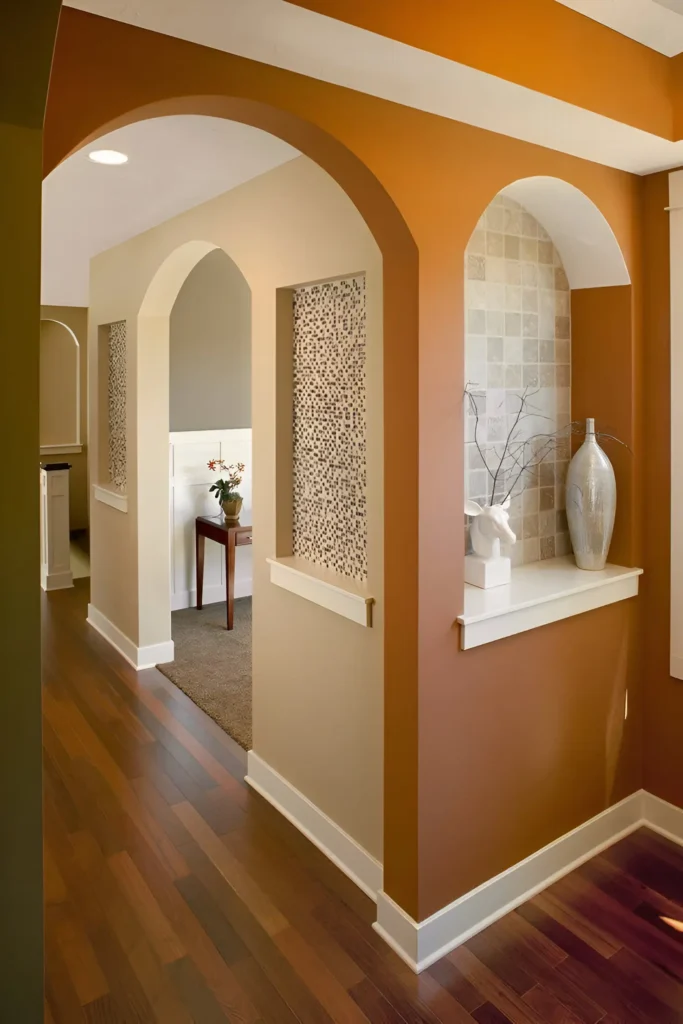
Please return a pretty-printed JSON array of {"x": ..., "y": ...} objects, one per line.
[
  {"x": 111, "y": 497},
  {"x": 539, "y": 593},
  {"x": 324, "y": 587}
]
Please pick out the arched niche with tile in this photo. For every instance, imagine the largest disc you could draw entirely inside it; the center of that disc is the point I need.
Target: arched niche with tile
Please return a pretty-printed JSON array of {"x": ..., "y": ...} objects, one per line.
[{"x": 547, "y": 314}]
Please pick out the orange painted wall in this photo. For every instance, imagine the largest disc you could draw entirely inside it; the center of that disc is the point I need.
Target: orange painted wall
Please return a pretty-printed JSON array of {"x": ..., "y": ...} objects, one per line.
[
  {"x": 663, "y": 713},
  {"x": 494, "y": 752},
  {"x": 605, "y": 387},
  {"x": 539, "y": 44}
]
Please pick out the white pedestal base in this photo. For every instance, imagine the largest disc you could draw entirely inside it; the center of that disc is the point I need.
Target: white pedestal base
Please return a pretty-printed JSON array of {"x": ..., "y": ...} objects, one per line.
[
  {"x": 487, "y": 572},
  {"x": 55, "y": 562}
]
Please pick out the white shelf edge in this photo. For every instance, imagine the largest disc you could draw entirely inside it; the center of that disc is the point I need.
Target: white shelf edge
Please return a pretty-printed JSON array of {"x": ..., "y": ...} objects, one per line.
[
  {"x": 336, "y": 597},
  {"x": 61, "y": 449},
  {"x": 549, "y": 605},
  {"x": 110, "y": 497}
]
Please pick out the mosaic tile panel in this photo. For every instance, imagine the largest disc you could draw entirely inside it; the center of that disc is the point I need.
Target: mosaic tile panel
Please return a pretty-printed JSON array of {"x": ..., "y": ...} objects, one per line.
[
  {"x": 329, "y": 449},
  {"x": 116, "y": 394},
  {"x": 518, "y": 334}
]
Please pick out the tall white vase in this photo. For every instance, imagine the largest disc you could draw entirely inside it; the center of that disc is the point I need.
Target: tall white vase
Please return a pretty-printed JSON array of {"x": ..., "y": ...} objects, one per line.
[{"x": 591, "y": 502}]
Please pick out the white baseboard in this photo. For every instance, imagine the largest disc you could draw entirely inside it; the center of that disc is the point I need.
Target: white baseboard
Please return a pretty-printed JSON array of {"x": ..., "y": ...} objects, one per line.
[
  {"x": 57, "y": 580},
  {"x": 212, "y": 595},
  {"x": 342, "y": 850},
  {"x": 138, "y": 657},
  {"x": 663, "y": 817},
  {"x": 420, "y": 944}
]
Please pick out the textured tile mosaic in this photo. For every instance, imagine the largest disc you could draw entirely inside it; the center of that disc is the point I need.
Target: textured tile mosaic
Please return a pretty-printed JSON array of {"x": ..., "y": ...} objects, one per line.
[
  {"x": 116, "y": 393},
  {"x": 329, "y": 450},
  {"x": 518, "y": 335}
]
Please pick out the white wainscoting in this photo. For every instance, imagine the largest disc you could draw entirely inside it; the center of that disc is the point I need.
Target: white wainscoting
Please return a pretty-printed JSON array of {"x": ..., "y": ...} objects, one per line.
[{"x": 190, "y": 479}]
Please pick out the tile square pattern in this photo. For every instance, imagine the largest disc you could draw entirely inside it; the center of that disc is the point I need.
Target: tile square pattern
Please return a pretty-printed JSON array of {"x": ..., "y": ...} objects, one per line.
[
  {"x": 116, "y": 395},
  {"x": 329, "y": 447},
  {"x": 518, "y": 334}
]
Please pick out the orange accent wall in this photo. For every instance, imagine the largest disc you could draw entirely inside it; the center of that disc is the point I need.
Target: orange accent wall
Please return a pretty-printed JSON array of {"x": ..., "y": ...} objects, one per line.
[
  {"x": 494, "y": 752},
  {"x": 663, "y": 713},
  {"x": 539, "y": 44},
  {"x": 605, "y": 387}
]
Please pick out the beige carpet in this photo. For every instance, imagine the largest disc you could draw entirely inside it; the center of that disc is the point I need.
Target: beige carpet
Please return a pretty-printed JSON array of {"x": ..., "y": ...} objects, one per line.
[{"x": 213, "y": 666}]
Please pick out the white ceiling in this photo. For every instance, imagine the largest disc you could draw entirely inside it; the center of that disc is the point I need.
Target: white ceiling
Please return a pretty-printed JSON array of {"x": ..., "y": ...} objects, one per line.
[
  {"x": 278, "y": 33},
  {"x": 175, "y": 163},
  {"x": 655, "y": 23}
]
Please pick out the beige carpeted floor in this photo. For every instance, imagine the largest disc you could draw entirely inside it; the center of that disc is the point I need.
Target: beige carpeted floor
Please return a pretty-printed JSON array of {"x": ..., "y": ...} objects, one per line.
[{"x": 213, "y": 666}]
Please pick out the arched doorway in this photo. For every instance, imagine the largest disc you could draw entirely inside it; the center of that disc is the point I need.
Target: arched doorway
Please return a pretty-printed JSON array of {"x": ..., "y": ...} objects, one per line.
[{"x": 294, "y": 236}]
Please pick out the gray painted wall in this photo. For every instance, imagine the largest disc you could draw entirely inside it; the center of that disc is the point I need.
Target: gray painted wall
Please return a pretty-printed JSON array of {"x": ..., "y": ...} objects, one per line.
[{"x": 210, "y": 350}]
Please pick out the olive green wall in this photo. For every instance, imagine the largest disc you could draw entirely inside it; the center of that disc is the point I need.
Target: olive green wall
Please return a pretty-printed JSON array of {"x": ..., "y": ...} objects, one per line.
[{"x": 27, "y": 32}]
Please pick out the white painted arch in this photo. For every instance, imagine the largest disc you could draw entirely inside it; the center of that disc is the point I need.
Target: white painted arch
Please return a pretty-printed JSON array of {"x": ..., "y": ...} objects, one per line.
[
  {"x": 153, "y": 331},
  {"x": 590, "y": 252}
]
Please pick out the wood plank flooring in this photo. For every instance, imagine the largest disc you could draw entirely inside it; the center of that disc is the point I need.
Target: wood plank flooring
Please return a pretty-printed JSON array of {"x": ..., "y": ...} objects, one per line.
[{"x": 176, "y": 895}]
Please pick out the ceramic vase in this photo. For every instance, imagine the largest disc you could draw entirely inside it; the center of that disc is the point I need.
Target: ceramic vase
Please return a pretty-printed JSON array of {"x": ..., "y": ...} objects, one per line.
[
  {"x": 232, "y": 509},
  {"x": 591, "y": 502}
]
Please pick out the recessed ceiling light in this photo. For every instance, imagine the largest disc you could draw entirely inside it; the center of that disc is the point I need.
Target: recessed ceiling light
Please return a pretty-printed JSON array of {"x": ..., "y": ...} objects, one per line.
[{"x": 108, "y": 156}]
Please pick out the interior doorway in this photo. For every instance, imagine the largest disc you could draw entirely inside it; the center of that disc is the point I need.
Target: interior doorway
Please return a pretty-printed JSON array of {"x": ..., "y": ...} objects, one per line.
[
  {"x": 210, "y": 441},
  {"x": 305, "y": 251},
  {"x": 63, "y": 416}
]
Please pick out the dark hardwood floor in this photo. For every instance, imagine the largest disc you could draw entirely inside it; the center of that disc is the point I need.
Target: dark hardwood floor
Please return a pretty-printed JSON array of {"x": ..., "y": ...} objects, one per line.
[{"x": 174, "y": 894}]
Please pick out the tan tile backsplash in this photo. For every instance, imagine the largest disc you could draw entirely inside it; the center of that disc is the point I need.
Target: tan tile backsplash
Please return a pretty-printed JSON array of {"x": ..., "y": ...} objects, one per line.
[{"x": 518, "y": 335}]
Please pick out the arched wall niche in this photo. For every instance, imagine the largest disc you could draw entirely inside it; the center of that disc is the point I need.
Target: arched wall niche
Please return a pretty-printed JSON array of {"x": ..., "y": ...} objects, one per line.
[
  {"x": 60, "y": 385},
  {"x": 548, "y": 314}
]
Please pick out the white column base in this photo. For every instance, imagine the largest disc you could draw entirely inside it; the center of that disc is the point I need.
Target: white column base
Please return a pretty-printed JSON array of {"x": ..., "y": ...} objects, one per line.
[{"x": 56, "y": 580}]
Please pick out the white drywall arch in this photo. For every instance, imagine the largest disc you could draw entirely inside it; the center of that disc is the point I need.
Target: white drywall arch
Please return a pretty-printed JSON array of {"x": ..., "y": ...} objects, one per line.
[{"x": 590, "y": 252}]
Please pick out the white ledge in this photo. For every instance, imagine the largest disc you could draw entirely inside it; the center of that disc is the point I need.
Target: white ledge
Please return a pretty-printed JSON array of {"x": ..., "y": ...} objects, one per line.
[
  {"x": 61, "y": 449},
  {"x": 539, "y": 593},
  {"x": 322, "y": 586},
  {"x": 108, "y": 496}
]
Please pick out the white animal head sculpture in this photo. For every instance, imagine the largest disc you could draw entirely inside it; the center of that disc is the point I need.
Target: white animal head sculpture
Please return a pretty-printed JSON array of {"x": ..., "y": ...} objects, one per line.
[{"x": 489, "y": 528}]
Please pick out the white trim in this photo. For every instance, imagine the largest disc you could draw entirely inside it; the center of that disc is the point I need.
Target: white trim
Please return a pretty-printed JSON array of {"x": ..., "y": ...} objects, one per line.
[
  {"x": 539, "y": 593},
  {"x": 211, "y": 595},
  {"x": 138, "y": 657},
  {"x": 360, "y": 866},
  {"x": 420, "y": 945},
  {"x": 663, "y": 817},
  {"x": 321, "y": 586},
  {"x": 61, "y": 449},
  {"x": 110, "y": 497},
  {"x": 654, "y": 23},
  {"x": 676, "y": 271},
  {"x": 204, "y": 436},
  {"x": 57, "y": 580}
]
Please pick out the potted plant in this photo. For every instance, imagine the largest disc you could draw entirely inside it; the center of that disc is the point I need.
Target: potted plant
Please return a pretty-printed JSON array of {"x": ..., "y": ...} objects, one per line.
[{"x": 225, "y": 489}]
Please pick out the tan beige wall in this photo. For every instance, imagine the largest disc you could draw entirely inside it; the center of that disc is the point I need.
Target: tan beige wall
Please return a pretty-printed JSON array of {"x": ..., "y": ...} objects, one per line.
[
  {"x": 211, "y": 348},
  {"x": 318, "y": 678},
  {"x": 59, "y": 374},
  {"x": 59, "y": 391}
]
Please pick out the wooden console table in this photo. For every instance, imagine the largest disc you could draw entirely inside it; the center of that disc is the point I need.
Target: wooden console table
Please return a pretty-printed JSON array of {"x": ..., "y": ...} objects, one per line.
[{"x": 231, "y": 535}]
